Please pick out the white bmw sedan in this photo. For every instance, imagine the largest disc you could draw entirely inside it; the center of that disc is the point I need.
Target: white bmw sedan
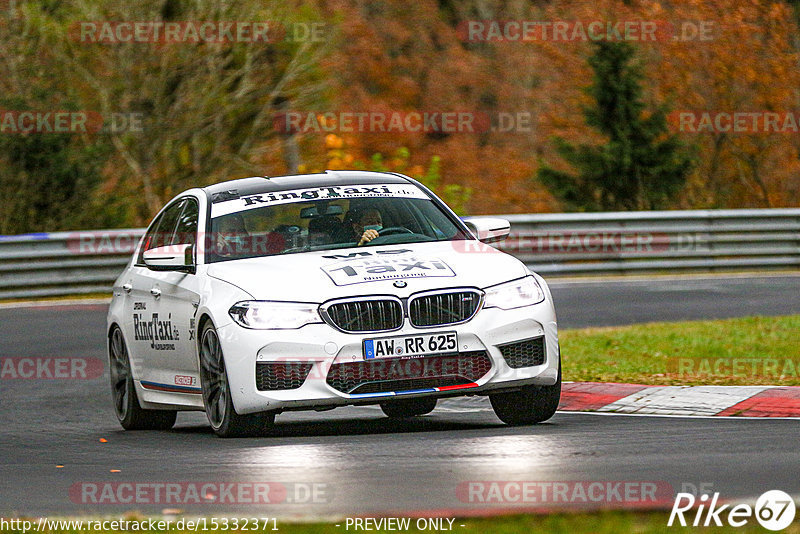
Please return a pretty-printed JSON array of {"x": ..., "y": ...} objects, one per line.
[{"x": 261, "y": 295}]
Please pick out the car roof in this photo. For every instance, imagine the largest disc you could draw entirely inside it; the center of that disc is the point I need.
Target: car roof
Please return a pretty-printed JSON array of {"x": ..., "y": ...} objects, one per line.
[{"x": 263, "y": 184}]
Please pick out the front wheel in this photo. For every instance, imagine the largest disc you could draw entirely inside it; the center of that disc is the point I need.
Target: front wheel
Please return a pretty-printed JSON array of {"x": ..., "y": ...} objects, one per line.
[
  {"x": 217, "y": 393},
  {"x": 529, "y": 405},
  {"x": 126, "y": 403},
  {"x": 409, "y": 407}
]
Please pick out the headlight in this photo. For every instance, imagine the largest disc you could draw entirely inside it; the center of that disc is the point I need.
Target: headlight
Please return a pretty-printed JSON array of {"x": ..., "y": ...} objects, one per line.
[
  {"x": 515, "y": 294},
  {"x": 262, "y": 315}
]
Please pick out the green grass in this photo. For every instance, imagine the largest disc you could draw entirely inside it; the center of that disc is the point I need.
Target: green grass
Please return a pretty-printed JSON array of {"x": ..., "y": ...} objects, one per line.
[
  {"x": 647, "y": 353},
  {"x": 604, "y": 522}
]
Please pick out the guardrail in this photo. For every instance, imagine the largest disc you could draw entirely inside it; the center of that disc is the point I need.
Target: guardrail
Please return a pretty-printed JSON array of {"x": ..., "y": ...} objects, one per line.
[
  {"x": 637, "y": 242},
  {"x": 63, "y": 263},
  {"x": 69, "y": 263}
]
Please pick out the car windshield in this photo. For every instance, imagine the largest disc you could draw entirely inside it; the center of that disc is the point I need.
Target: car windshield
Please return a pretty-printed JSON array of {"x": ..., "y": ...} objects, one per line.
[{"x": 332, "y": 218}]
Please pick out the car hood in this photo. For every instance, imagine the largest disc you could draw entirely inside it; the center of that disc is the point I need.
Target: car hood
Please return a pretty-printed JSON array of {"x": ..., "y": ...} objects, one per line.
[{"x": 320, "y": 276}]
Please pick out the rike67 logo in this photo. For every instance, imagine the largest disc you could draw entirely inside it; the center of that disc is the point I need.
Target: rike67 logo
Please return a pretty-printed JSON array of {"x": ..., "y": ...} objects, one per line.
[{"x": 774, "y": 510}]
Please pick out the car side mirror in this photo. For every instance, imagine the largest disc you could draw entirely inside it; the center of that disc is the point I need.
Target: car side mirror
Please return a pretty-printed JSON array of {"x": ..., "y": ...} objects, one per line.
[
  {"x": 488, "y": 229},
  {"x": 170, "y": 258}
]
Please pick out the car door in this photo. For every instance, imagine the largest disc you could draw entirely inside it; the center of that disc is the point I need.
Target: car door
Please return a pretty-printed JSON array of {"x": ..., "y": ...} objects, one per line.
[
  {"x": 149, "y": 328},
  {"x": 176, "y": 295}
]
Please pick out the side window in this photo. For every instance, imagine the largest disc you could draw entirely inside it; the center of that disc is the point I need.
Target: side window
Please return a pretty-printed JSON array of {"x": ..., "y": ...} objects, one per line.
[
  {"x": 186, "y": 230},
  {"x": 162, "y": 232},
  {"x": 149, "y": 240}
]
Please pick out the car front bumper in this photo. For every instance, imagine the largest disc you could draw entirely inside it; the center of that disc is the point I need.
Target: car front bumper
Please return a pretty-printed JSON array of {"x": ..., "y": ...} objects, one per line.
[{"x": 322, "y": 346}]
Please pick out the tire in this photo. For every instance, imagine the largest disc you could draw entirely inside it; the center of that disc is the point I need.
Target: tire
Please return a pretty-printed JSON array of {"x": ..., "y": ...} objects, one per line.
[
  {"x": 529, "y": 405},
  {"x": 126, "y": 403},
  {"x": 220, "y": 411},
  {"x": 409, "y": 407}
]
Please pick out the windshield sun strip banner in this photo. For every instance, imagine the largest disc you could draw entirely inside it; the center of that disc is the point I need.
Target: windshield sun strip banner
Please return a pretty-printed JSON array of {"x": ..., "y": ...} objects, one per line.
[{"x": 332, "y": 192}]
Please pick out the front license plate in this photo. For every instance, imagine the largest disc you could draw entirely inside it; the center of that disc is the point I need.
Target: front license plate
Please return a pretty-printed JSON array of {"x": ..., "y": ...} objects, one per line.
[{"x": 404, "y": 346}]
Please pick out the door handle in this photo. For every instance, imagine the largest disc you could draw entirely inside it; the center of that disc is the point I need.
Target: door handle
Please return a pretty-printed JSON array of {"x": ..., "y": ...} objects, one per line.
[
  {"x": 155, "y": 292},
  {"x": 127, "y": 287}
]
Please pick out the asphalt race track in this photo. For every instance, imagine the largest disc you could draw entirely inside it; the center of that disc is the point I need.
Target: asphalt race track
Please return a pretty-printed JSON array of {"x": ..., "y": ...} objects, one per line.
[
  {"x": 354, "y": 460},
  {"x": 617, "y": 302}
]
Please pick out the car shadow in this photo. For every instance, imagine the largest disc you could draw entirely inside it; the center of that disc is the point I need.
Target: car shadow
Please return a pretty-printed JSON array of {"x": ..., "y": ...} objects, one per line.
[{"x": 353, "y": 426}]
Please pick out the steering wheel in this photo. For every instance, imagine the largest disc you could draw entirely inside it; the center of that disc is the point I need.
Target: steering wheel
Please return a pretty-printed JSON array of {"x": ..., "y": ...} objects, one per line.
[{"x": 392, "y": 230}]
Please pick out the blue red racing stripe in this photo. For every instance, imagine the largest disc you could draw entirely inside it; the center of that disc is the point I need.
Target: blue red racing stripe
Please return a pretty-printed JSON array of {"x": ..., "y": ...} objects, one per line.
[
  {"x": 170, "y": 388},
  {"x": 413, "y": 391}
]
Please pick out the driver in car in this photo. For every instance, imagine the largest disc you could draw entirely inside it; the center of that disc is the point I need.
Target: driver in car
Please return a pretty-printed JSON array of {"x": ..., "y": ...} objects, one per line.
[{"x": 367, "y": 223}]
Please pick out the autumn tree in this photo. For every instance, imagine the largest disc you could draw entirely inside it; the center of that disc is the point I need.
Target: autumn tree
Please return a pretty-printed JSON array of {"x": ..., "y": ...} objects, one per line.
[
  {"x": 47, "y": 180},
  {"x": 204, "y": 108},
  {"x": 748, "y": 64},
  {"x": 639, "y": 167},
  {"x": 208, "y": 108}
]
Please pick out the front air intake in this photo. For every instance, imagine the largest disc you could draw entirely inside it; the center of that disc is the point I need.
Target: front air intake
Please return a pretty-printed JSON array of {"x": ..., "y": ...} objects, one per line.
[
  {"x": 524, "y": 353},
  {"x": 274, "y": 376},
  {"x": 402, "y": 374}
]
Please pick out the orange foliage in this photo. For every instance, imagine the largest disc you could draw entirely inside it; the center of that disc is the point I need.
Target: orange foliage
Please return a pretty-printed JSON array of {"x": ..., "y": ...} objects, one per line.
[{"x": 409, "y": 56}]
